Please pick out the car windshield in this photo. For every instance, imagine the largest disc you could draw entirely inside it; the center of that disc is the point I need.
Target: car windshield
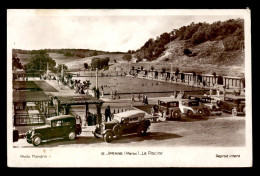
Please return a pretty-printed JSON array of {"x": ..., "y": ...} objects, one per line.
[
  {"x": 48, "y": 122},
  {"x": 206, "y": 100},
  {"x": 118, "y": 118}
]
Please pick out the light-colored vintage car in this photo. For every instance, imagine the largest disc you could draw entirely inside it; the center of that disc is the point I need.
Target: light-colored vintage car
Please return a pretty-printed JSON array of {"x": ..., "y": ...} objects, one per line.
[
  {"x": 191, "y": 108},
  {"x": 127, "y": 122}
]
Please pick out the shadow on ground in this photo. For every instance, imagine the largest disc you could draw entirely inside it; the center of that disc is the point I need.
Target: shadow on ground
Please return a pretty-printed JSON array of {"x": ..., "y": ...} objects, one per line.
[
  {"x": 149, "y": 136},
  {"x": 92, "y": 140}
]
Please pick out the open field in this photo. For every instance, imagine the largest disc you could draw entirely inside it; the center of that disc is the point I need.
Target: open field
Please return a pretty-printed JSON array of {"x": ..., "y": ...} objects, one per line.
[{"x": 126, "y": 84}]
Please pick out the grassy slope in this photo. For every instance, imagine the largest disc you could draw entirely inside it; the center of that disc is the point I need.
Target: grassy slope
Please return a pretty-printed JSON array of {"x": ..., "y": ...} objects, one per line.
[{"x": 208, "y": 57}]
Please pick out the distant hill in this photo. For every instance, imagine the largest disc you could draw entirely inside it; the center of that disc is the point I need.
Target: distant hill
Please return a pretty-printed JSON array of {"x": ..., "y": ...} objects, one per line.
[{"x": 73, "y": 58}]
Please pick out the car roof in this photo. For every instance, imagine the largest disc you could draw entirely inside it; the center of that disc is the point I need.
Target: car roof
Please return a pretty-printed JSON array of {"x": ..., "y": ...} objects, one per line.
[
  {"x": 235, "y": 97},
  {"x": 131, "y": 113},
  {"x": 60, "y": 117},
  {"x": 169, "y": 99},
  {"x": 200, "y": 96},
  {"x": 188, "y": 100}
]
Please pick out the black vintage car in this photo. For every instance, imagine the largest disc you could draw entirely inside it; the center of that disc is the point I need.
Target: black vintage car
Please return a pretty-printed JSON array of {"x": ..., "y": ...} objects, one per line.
[
  {"x": 128, "y": 122},
  {"x": 234, "y": 104},
  {"x": 55, "y": 127}
]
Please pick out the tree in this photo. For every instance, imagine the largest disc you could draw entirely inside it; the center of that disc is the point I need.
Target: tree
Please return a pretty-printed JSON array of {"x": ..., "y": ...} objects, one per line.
[
  {"x": 95, "y": 53},
  {"x": 60, "y": 66},
  {"x": 86, "y": 65},
  {"x": 100, "y": 63},
  {"x": 127, "y": 57},
  {"x": 39, "y": 62}
]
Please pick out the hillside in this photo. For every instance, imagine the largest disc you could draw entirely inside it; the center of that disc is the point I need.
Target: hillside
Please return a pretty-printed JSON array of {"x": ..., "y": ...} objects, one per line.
[{"x": 201, "y": 47}]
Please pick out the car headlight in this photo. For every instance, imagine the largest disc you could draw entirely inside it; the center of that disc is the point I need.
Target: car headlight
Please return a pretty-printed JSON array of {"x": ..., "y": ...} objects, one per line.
[
  {"x": 103, "y": 127},
  {"x": 199, "y": 111}
]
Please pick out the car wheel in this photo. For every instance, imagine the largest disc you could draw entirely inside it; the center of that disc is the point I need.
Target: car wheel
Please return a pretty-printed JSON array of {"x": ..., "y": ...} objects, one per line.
[
  {"x": 117, "y": 130},
  {"x": 207, "y": 112},
  {"x": 108, "y": 137},
  {"x": 190, "y": 113},
  {"x": 234, "y": 111},
  {"x": 37, "y": 140},
  {"x": 71, "y": 135},
  {"x": 176, "y": 115},
  {"x": 219, "y": 114},
  {"x": 141, "y": 131}
]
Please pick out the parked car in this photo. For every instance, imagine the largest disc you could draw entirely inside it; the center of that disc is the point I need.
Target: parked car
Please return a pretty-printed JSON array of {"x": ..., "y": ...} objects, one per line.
[
  {"x": 171, "y": 107},
  {"x": 55, "y": 127},
  {"x": 234, "y": 104},
  {"x": 191, "y": 108},
  {"x": 209, "y": 104},
  {"x": 127, "y": 122}
]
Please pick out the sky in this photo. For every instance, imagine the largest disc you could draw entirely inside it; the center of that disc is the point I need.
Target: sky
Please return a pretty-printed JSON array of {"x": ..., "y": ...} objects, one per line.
[{"x": 107, "y": 30}]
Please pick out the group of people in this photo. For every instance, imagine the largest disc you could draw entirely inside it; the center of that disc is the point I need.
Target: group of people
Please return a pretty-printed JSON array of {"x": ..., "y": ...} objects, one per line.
[
  {"x": 79, "y": 87},
  {"x": 144, "y": 101}
]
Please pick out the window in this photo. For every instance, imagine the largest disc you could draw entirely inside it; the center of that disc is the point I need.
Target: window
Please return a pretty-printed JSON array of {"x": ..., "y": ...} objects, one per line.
[
  {"x": 56, "y": 123},
  {"x": 135, "y": 119},
  {"x": 193, "y": 103},
  {"x": 162, "y": 103},
  {"x": 205, "y": 100},
  {"x": 66, "y": 122},
  {"x": 174, "y": 104}
]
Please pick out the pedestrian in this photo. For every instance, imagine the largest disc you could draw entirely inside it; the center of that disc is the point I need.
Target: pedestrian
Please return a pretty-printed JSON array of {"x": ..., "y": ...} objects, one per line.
[
  {"x": 146, "y": 99},
  {"x": 108, "y": 113},
  {"x": 204, "y": 83},
  {"x": 152, "y": 111},
  {"x": 78, "y": 120},
  {"x": 210, "y": 92},
  {"x": 218, "y": 92},
  {"x": 132, "y": 97}
]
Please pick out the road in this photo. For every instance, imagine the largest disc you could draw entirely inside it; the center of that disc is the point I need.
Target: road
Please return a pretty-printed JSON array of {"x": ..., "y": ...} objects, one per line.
[{"x": 215, "y": 131}]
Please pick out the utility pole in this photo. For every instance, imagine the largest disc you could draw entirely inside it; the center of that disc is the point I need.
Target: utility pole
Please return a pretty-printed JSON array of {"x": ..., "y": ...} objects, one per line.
[
  {"x": 47, "y": 69},
  {"x": 62, "y": 71},
  {"x": 96, "y": 78}
]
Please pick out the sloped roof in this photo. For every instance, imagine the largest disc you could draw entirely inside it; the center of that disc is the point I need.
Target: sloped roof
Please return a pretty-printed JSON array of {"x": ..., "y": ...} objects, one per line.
[
  {"x": 29, "y": 96},
  {"x": 25, "y": 85},
  {"x": 76, "y": 99}
]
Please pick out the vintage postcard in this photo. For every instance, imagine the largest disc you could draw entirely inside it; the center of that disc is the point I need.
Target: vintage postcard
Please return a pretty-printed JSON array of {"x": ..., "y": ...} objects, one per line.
[{"x": 129, "y": 88}]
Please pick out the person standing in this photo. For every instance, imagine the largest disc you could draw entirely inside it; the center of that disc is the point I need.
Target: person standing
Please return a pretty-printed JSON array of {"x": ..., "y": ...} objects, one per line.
[
  {"x": 218, "y": 93},
  {"x": 210, "y": 92},
  {"x": 133, "y": 98},
  {"x": 107, "y": 114},
  {"x": 146, "y": 99}
]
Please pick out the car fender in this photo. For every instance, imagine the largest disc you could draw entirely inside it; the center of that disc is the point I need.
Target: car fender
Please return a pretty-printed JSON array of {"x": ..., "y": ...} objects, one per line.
[
  {"x": 37, "y": 134},
  {"x": 108, "y": 130}
]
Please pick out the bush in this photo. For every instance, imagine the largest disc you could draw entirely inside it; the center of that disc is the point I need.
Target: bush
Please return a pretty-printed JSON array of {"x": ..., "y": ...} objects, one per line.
[{"x": 187, "y": 52}]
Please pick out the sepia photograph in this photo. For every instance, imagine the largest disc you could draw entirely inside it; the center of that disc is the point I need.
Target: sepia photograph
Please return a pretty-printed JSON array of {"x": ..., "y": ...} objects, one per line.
[{"x": 129, "y": 88}]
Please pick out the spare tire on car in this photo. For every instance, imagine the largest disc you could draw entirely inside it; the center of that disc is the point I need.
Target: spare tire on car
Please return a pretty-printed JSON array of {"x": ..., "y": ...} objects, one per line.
[{"x": 117, "y": 130}]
